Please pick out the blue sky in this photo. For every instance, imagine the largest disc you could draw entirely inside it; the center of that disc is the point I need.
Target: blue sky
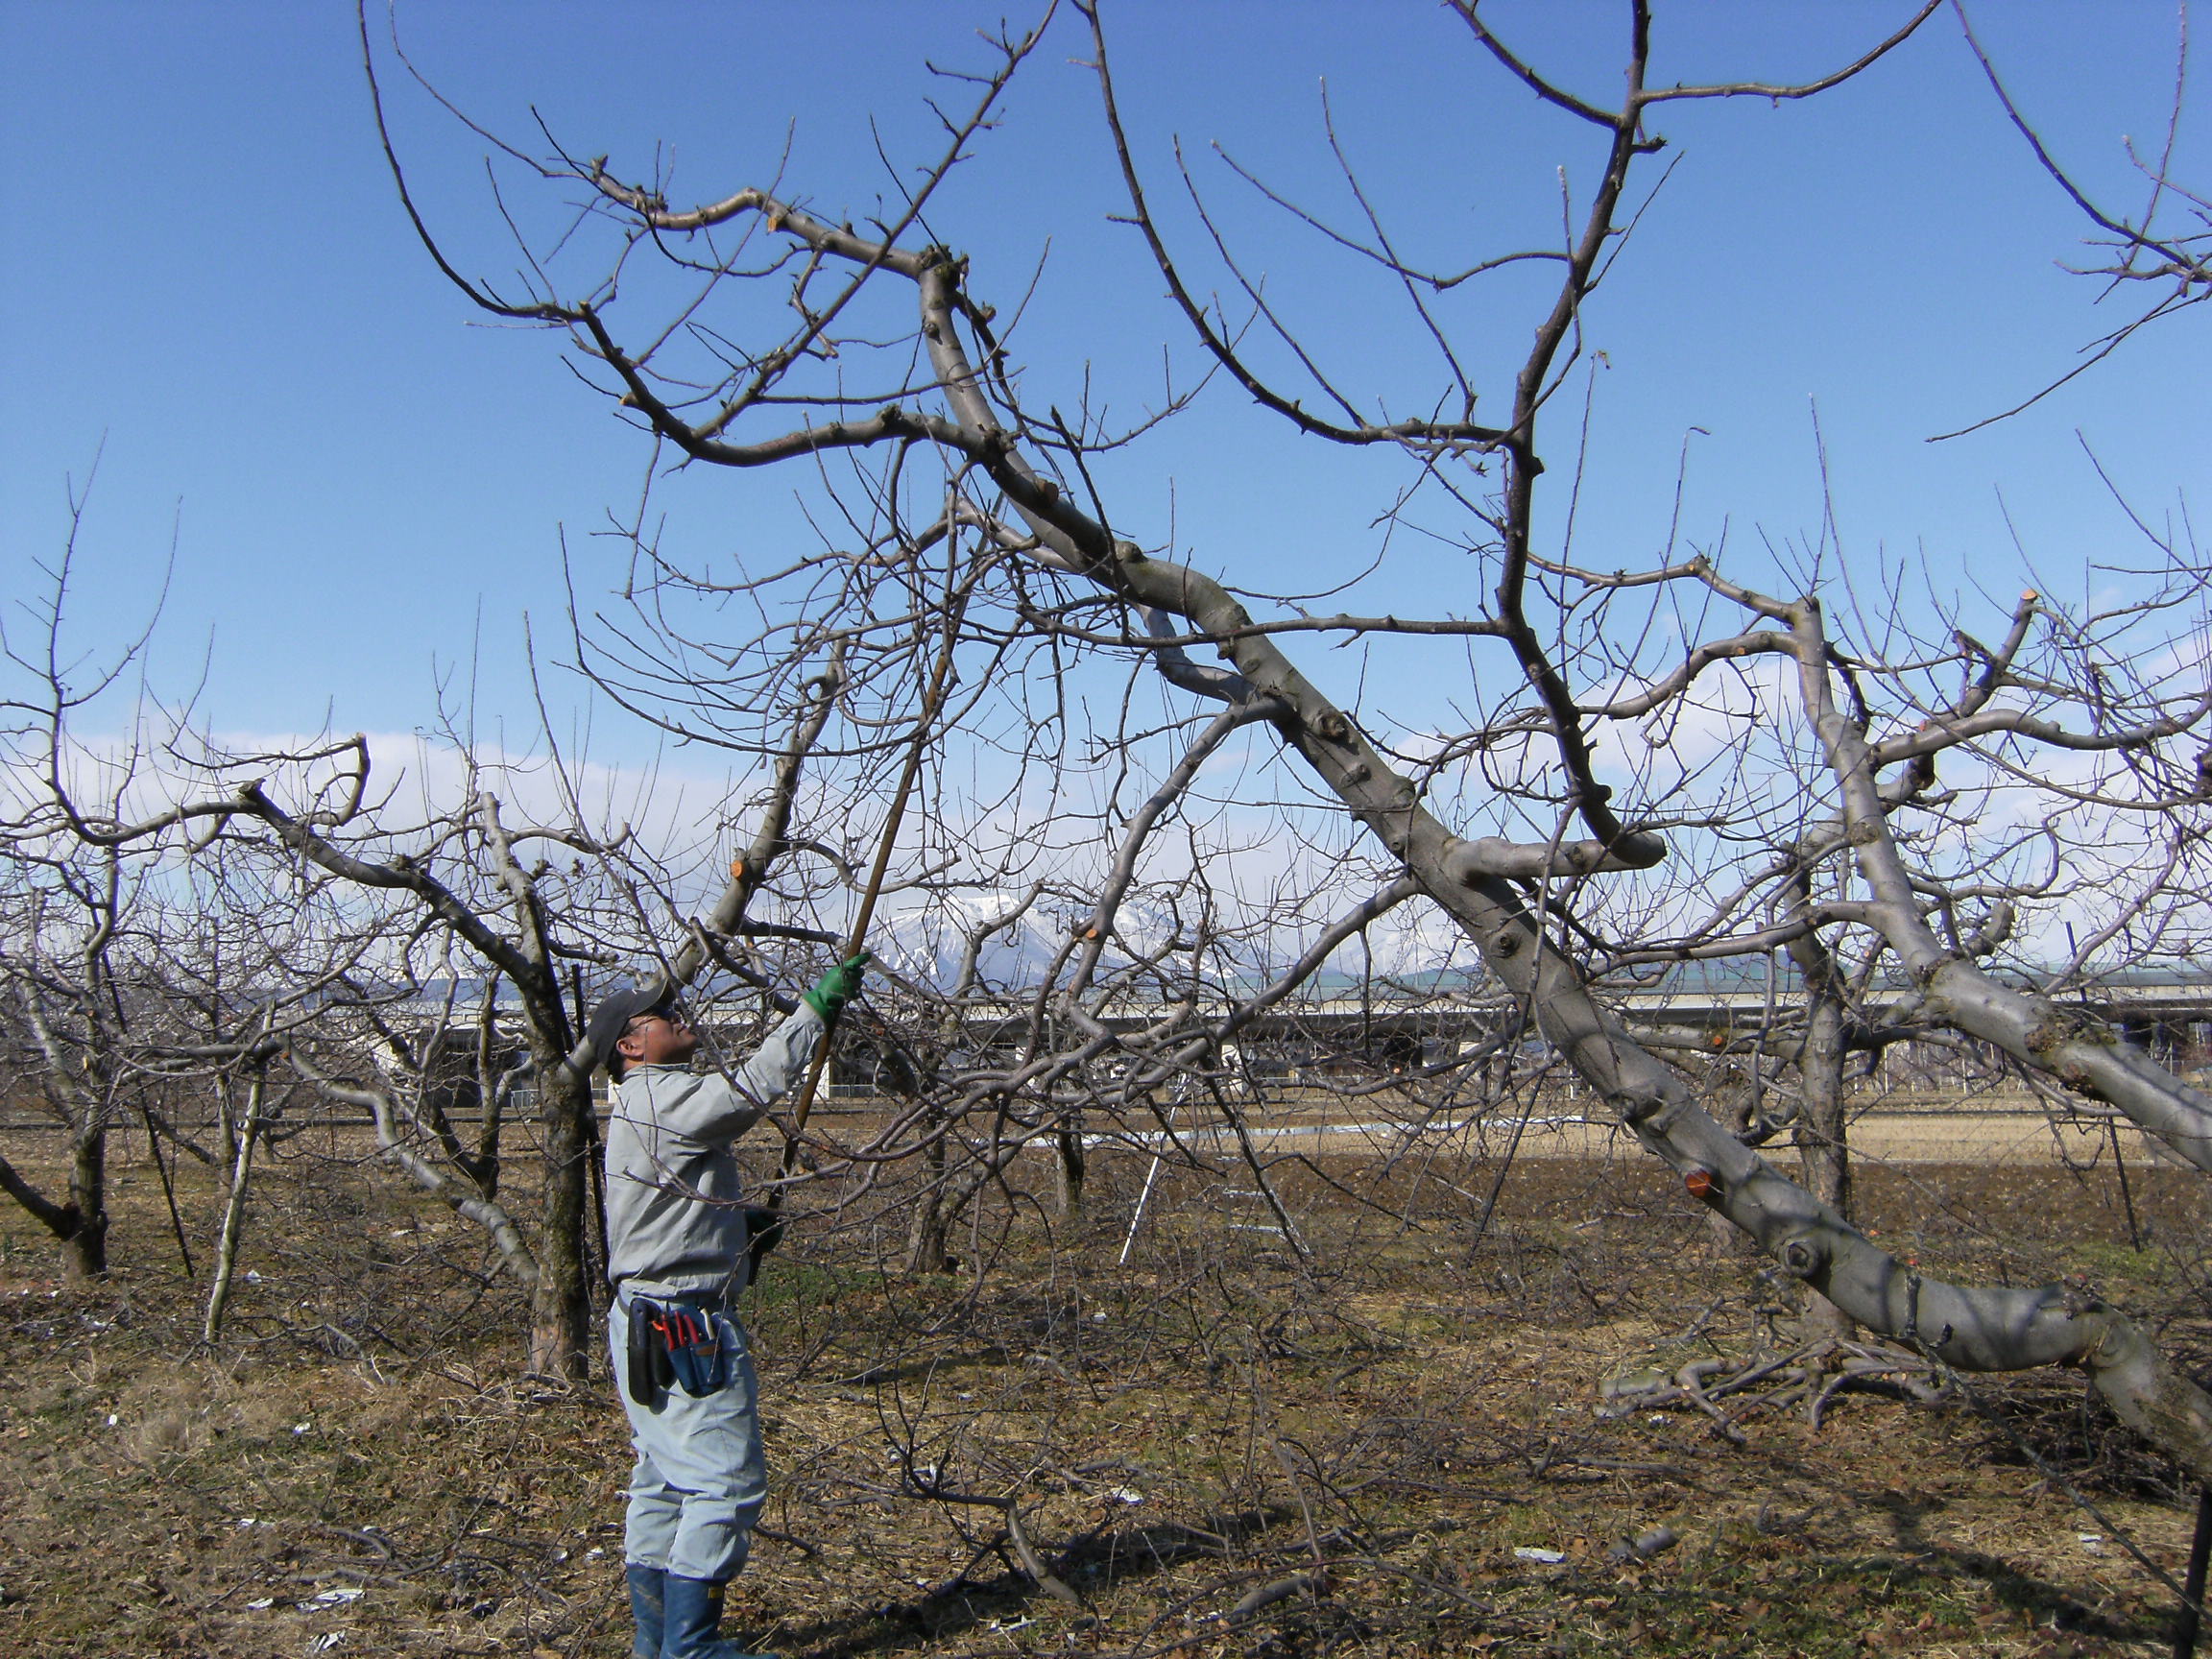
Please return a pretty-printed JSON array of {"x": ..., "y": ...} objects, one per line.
[{"x": 210, "y": 284}]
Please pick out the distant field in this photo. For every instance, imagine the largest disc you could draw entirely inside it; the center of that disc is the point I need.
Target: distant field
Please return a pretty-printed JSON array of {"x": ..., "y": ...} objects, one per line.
[
  {"x": 1903, "y": 1130},
  {"x": 1917, "y": 1136},
  {"x": 1986, "y": 1131}
]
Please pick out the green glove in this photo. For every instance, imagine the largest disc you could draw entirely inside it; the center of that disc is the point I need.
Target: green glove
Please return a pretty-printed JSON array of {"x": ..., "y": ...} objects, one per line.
[{"x": 838, "y": 987}]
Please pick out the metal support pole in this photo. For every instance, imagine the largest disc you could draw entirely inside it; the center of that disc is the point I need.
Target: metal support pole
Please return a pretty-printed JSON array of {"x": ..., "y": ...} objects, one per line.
[{"x": 1144, "y": 1197}]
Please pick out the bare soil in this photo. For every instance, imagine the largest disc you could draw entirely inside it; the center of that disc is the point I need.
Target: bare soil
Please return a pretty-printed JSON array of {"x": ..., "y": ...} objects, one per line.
[{"x": 1378, "y": 1440}]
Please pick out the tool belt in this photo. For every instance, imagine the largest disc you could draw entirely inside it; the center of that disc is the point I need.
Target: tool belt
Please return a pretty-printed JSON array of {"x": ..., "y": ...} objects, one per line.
[{"x": 674, "y": 1345}]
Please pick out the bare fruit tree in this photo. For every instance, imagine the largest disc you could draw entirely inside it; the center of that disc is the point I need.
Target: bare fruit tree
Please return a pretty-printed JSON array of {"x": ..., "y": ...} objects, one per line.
[
  {"x": 188, "y": 921},
  {"x": 870, "y": 361},
  {"x": 139, "y": 977},
  {"x": 179, "y": 910}
]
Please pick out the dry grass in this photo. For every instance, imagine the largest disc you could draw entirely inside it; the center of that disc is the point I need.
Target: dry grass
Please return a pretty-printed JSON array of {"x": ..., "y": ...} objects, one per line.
[{"x": 358, "y": 1470}]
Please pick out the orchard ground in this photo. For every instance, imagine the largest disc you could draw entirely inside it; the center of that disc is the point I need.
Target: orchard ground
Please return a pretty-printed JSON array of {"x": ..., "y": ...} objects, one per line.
[{"x": 1403, "y": 1447}]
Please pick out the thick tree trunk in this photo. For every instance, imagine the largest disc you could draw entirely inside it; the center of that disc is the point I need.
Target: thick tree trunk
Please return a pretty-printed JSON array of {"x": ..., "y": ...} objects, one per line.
[
  {"x": 561, "y": 1332},
  {"x": 85, "y": 1247},
  {"x": 926, "y": 1228},
  {"x": 1823, "y": 1150},
  {"x": 1069, "y": 1169},
  {"x": 1823, "y": 1146}
]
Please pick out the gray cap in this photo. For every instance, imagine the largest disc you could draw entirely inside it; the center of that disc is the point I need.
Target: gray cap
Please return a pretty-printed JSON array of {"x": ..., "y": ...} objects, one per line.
[{"x": 613, "y": 1017}]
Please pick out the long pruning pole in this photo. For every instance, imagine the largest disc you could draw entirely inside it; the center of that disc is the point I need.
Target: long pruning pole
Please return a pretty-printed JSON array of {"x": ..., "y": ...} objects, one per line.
[{"x": 932, "y": 699}]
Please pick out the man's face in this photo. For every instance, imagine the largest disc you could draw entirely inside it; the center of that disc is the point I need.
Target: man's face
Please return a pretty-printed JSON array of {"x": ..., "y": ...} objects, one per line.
[{"x": 662, "y": 1038}]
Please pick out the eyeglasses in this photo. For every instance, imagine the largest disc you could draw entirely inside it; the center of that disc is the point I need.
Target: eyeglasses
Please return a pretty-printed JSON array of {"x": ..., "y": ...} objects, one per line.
[{"x": 668, "y": 1018}]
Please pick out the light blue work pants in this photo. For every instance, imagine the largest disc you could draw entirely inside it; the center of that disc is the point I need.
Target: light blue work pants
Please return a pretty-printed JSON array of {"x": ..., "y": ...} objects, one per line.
[{"x": 700, "y": 1478}]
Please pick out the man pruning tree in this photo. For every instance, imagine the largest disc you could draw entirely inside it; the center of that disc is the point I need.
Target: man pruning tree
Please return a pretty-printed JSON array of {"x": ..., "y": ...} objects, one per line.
[{"x": 679, "y": 1253}]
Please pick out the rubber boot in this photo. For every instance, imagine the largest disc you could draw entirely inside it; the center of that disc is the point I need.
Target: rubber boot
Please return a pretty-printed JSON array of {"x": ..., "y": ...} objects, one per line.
[
  {"x": 646, "y": 1588},
  {"x": 693, "y": 1612}
]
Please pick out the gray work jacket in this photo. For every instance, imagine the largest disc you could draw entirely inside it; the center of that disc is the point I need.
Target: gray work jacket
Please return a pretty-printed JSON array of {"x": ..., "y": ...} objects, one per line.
[{"x": 675, "y": 1196}]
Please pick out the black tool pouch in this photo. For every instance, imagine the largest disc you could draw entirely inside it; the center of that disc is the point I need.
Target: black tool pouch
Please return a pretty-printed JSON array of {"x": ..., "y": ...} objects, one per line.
[
  {"x": 675, "y": 1345},
  {"x": 651, "y": 1371}
]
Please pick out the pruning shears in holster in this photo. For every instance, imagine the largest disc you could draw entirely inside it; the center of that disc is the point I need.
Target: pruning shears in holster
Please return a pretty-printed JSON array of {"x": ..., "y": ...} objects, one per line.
[{"x": 674, "y": 1345}]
